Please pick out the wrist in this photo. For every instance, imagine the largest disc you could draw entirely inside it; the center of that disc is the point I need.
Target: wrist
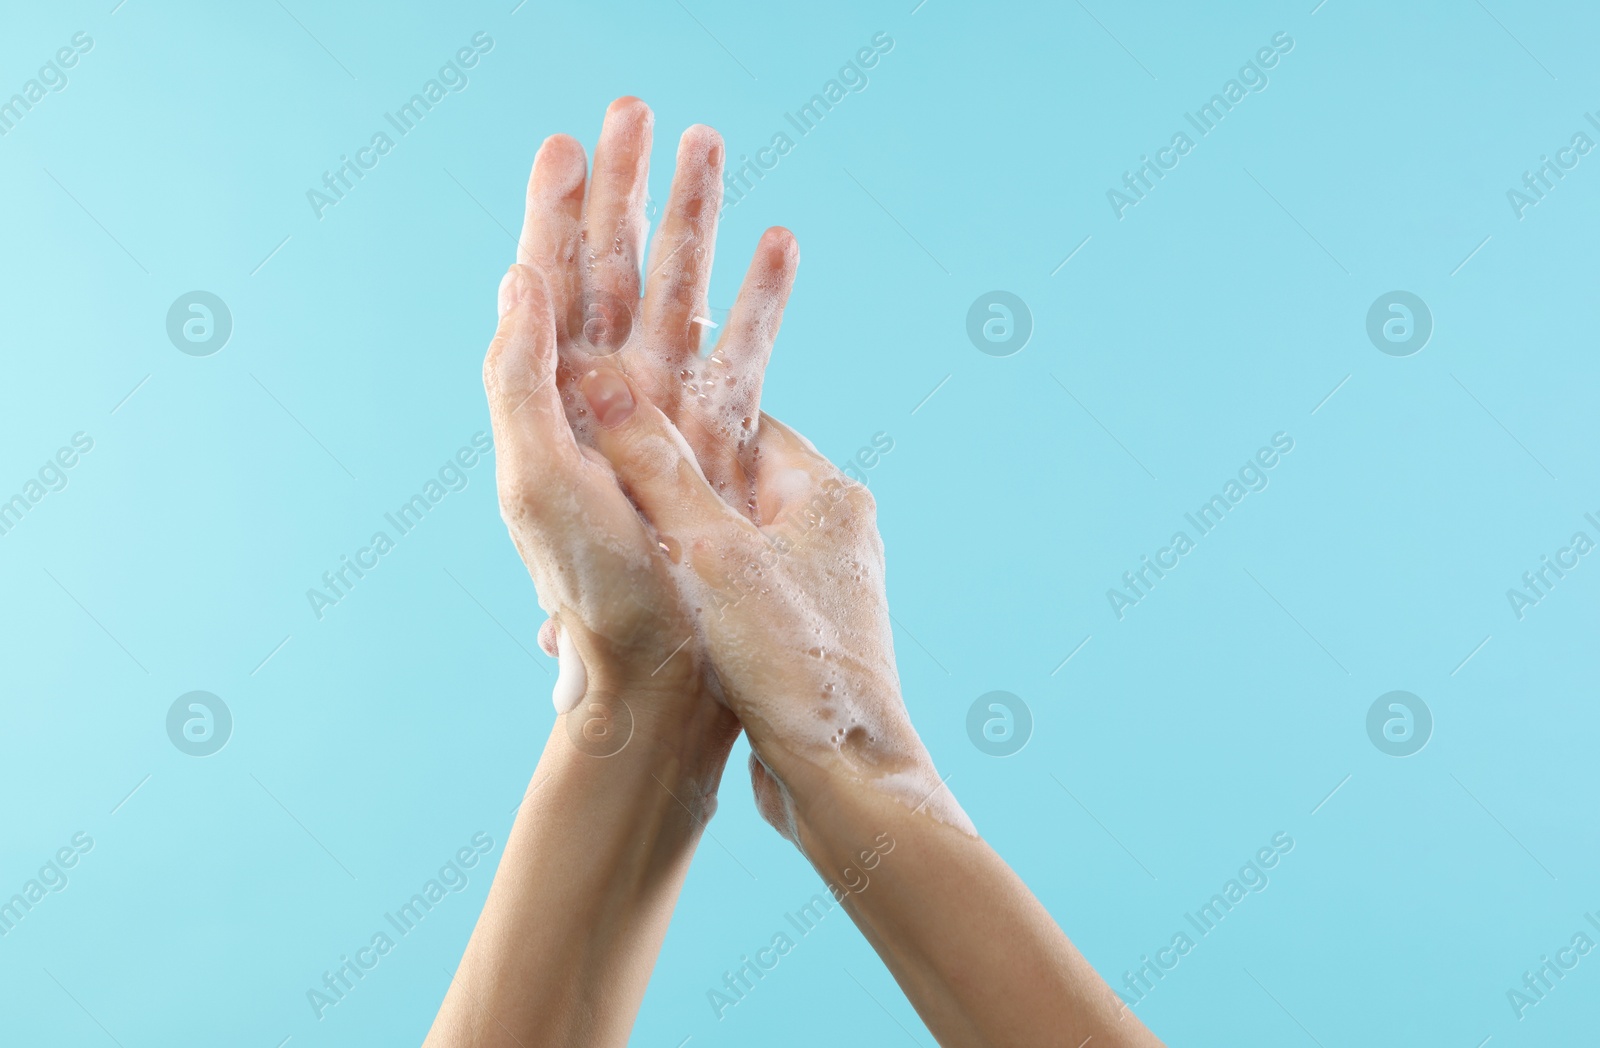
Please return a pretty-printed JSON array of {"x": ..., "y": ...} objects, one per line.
[
  {"x": 837, "y": 782},
  {"x": 593, "y": 864},
  {"x": 824, "y": 755},
  {"x": 846, "y": 828},
  {"x": 641, "y": 755},
  {"x": 836, "y": 804}
]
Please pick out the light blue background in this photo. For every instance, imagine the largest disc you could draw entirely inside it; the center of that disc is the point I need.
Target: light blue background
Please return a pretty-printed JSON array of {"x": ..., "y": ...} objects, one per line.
[{"x": 1221, "y": 310}]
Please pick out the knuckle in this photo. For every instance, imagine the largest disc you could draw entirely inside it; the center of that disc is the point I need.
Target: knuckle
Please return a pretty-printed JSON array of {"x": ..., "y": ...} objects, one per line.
[
  {"x": 850, "y": 498},
  {"x": 724, "y": 560},
  {"x": 523, "y": 497},
  {"x": 650, "y": 458},
  {"x": 517, "y": 506},
  {"x": 493, "y": 358},
  {"x": 497, "y": 365},
  {"x": 861, "y": 502}
]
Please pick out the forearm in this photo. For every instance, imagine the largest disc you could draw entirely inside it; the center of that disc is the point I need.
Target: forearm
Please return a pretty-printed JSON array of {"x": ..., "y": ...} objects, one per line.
[
  {"x": 585, "y": 889},
  {"x": 978, "y": 956}
]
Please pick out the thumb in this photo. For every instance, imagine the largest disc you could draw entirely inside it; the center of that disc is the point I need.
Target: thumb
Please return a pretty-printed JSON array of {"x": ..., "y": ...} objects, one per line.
[{"x": 651, "y": 459}]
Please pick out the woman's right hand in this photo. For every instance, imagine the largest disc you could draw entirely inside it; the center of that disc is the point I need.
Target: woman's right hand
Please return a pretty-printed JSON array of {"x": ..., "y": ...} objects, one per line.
[{"x": 792, "y": 611}]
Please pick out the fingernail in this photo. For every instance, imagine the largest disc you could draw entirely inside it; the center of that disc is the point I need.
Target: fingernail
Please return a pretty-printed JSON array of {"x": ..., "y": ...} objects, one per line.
[
  {"x": 609, "y": 397},
  {"x": 510, "y": 290}
]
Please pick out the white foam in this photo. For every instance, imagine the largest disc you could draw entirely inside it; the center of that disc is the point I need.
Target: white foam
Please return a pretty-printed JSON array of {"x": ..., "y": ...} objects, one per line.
[{"x": 572, "y": 680}]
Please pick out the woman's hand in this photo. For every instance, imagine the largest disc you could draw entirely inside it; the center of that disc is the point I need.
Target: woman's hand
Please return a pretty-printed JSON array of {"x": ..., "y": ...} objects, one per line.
[
  {"x": 595, "y": 565},
  {"x": 585, "y": 236},
  {"x": 580, "y": 904},
  {"x": 589, "y": 246},
  {"x": 733, "y": 576},
  {"x": 793, "y": 618},
  {"x": 792, "y": 612}
]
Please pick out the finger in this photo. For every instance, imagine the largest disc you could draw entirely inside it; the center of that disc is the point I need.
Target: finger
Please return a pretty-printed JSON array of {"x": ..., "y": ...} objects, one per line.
[
  {"x": 553, "y": 219},
  {"x": 533, "y": 443},
  {"x": 613, "y": 224},
  {"x": 680, "y": 263},
  {"x": 652, "y": 460},
  {"x": 720, "y": 428},
  {"x": 746, "y": 343},
  {"x": 783, "y": 447}
]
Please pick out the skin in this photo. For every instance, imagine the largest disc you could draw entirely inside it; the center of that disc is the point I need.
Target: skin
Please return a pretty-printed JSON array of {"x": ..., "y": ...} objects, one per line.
[
  {"x": 588, "y": 248},
  {"x": 596, "y": 857},
  {"x": 795, "y": 621},
  {"x": 712, "y": 576}
]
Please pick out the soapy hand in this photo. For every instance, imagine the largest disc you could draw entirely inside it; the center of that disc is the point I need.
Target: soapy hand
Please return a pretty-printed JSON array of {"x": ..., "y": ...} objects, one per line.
[
  {"x": 593, "y": 561},
  {"x": 589, "y": 246},
  {"x": 708, "y": 569},
  {"x": 790, "y": 609},
  {"x": 585, "y": 236}
]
